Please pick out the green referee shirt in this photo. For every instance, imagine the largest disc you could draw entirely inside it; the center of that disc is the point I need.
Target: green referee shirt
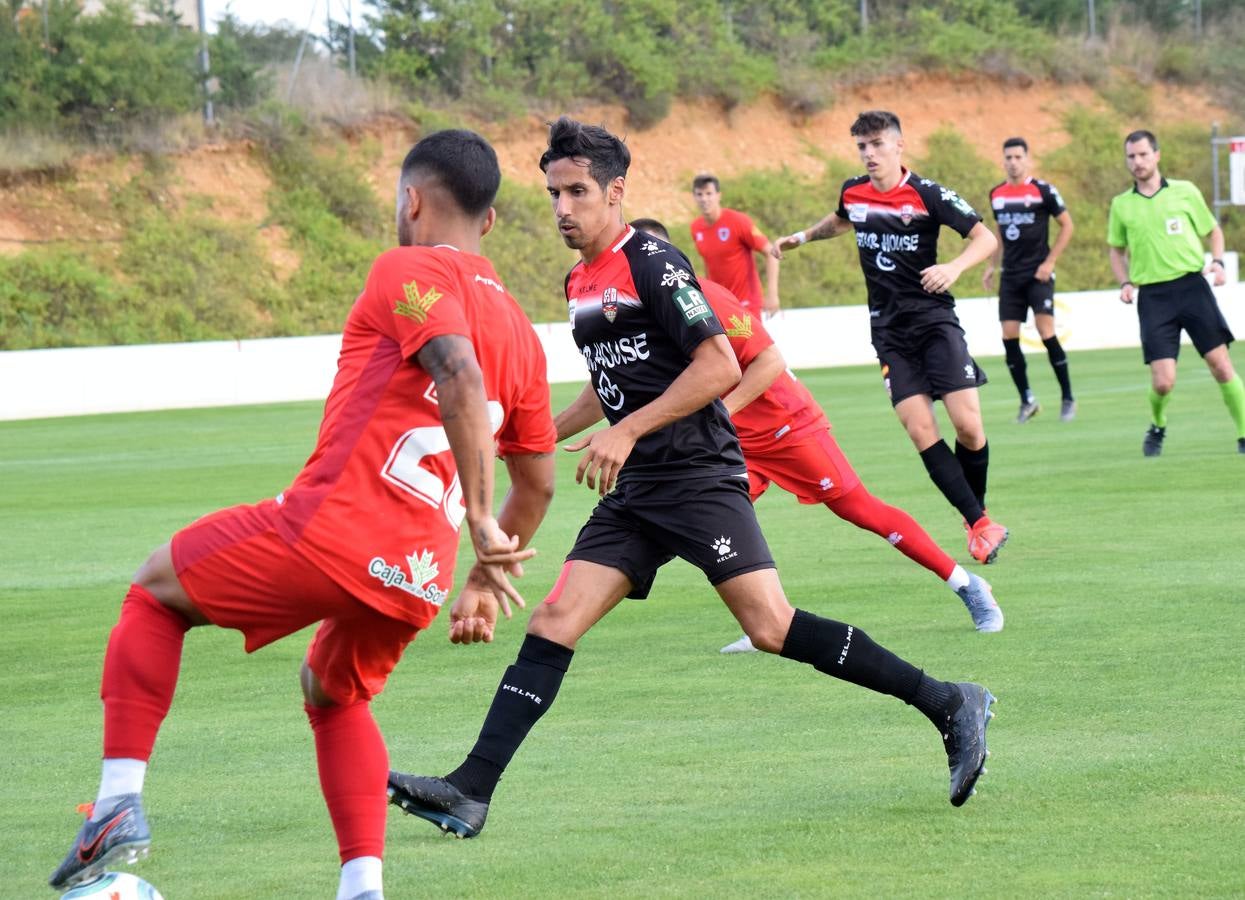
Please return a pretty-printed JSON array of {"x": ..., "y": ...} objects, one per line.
[{"x": 1163, "y": 233}]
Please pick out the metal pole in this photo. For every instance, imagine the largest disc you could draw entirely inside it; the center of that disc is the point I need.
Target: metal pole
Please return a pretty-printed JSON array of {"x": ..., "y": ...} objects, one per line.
[
  {"x": 1197, "y": 18},
  {"x": 350, "y": 31},
  {"x": 1093, "y": 21},
  {"x": 1214, "y": 166},
  {"x": 209, "y": 114},
  {"x": 864, "y": 16},
  {"x": 298, "y": 58}
]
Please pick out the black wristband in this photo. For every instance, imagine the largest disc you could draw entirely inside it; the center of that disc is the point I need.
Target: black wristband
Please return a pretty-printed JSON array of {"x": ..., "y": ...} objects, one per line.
[
  {"x": 1218, "y": 262},
  {"x": 1125, "y": 283}
]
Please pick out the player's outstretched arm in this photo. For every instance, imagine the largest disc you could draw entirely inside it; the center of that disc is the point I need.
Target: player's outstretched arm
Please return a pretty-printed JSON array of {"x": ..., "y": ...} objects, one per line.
[
  {"x": 758, "y": 376},
  {"x": 712, "y": 371},
  {"x": 451, "y": 361},
  {"x": 584, "y": 412},
  {"x": 830, "y": 226},
  {"x": 981, "y": 243}
]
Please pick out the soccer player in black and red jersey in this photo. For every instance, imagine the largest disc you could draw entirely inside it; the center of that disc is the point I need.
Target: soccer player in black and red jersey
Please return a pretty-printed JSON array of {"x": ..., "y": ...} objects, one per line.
[
  {"x": 787, "y": 440},
  {"x": 1023, "y": 207},
  {"x": 897, "y": 216},
  {"x": 672, "y": 481}
]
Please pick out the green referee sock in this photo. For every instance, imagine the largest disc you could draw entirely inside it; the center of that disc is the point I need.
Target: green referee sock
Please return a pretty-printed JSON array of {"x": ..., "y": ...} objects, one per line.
[
  {"x": 1234, "y": 399},
  {"x": 1158, "y": 407}
]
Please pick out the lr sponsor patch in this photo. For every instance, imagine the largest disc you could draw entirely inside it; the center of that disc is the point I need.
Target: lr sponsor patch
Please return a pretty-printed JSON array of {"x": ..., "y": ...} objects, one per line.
[
  {"x": 1175, "y": 225},
  {"x": 692, "y": 304},
  {"x": 423, "y": 569},
  {"x": 417, "y": 305},
  {"x": 857, "y": 212}
]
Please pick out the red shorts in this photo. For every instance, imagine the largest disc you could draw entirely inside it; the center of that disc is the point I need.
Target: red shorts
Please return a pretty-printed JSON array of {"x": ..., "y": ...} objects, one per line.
[
  {"x": 240, "y": 574},
  {"x": 812, "y": 467}
]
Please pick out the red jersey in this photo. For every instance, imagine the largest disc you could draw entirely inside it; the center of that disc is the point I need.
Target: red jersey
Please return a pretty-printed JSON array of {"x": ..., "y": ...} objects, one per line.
[
  {"x": 378, "y": 505},
  {"x": 786, "y": 410},
  {"x": 727, "y": 247}
]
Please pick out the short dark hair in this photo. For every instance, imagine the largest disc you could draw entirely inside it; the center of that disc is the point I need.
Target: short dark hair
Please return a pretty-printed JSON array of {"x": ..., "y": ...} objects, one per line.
[
  {"x": 1016, "y": 142},
  {"x": 462, "y": 162},
  {"x": 653, "y": 227},
  {"x": 608, "y": 157},
  {"x": 1142, "y": 134},
  {"x": 701, "y": 180},
  {"x": 871, "y": 121}
]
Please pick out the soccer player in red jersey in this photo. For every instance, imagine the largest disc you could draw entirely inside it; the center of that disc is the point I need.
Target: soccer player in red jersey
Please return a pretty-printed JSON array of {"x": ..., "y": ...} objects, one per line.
[
  {"x": 727, "y": 241},
  {"x": 439, "y": 370},
  {"x": 786, "y": 441},
  {"x": 897, "y": 216},
  {"x": 1023, "y": 206},
  {"x": 672, "y": 481}
]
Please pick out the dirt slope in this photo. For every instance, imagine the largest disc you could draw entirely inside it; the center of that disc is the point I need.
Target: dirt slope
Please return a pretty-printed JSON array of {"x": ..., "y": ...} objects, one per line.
[{"x": 695, "y": 137}]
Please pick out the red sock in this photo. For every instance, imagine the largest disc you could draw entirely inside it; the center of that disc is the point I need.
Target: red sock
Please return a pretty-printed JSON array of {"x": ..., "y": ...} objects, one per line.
[
  {"x": 866, "y": 511},
  {"x": 140, "y": 674},
  {"x": 354, "y": 771}
]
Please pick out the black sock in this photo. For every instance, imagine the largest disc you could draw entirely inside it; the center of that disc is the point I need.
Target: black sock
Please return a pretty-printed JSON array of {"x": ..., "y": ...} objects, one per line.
[
  {"x": 846, "y": 652},
  {"x": 946, "y": 473},
  {"x": 1017, "y": 366},
  {"x": 1059, "y": 362},
  {"x": 975, "y": 465},
  {"x": 526, "y": 691}
]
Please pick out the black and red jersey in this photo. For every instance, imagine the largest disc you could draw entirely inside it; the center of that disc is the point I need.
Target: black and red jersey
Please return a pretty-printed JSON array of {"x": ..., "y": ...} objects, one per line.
[
  {"x": 1023, "y": 212},
  {"x": 637, "y": 313},
  {"x": 897, "y": 236}
]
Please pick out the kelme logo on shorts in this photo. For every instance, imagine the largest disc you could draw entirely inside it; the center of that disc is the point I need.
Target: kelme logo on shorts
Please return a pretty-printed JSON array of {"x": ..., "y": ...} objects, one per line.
[
  {"x": 692, "y": 304},
  {"x": 416, "y": 305}
]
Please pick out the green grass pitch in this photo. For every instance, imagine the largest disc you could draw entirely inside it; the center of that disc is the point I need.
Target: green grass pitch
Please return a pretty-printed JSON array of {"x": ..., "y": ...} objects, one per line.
[{"x": 664, "y": 768}]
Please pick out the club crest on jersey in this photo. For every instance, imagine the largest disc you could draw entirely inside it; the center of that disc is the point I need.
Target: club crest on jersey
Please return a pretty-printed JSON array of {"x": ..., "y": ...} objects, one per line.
[
  {"x": 416, "y": 305},
  {"x": 609, "y": 304},
  {"x": 857, "y": 212},
  {"x": 724, "y": 234},
  {"x": 423, "y": 569},
  {"x": 905, "y": 213}
]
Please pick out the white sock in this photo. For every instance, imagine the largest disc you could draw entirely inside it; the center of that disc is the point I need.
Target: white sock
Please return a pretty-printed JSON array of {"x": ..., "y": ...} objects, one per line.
[
  {"x": 361, "y": 874},
  {"x": 119, "y": 776},
  {"x": 957, "y": 579}
]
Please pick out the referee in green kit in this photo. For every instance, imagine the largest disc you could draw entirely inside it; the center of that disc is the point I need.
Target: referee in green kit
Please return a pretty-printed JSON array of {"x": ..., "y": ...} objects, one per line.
[{"x": 1155, "y": 233}]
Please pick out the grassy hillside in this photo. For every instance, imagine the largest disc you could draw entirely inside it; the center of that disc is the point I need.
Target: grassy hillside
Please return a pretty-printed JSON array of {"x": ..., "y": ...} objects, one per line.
[{"x": 178, "y": 265}]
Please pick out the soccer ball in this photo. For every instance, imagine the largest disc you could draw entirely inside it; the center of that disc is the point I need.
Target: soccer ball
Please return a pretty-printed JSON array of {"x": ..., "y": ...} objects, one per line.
[{"x": 114, "y": 886}]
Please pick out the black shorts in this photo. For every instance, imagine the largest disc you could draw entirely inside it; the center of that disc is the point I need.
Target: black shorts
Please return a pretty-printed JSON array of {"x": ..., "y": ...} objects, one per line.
[
  {"x": 642, "y": 525},
  {"x": 928, "y": 359},
  {"x": 1188, "y": 303},
  {"x": 1023, "y": 293}
]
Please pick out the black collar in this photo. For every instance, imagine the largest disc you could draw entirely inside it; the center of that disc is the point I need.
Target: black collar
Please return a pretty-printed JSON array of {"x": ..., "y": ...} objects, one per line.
[{"x": 1162, "y": 184}]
